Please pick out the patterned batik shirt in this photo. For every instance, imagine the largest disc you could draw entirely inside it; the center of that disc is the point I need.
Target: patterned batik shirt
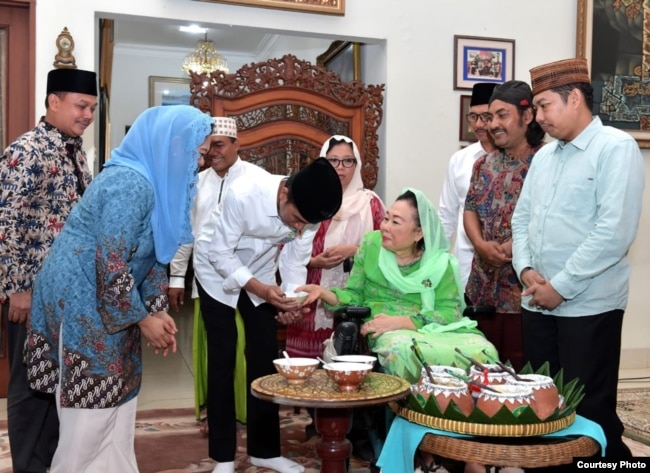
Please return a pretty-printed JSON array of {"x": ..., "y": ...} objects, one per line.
[
  {"x": 494, "y": 189},
  {"x": 99, "y": 280},
  {"x": 42, "y": 176}
]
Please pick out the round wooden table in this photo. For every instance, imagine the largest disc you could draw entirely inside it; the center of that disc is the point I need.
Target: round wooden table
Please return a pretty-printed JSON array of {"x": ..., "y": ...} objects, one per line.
[{"x": 333, "y": 408}]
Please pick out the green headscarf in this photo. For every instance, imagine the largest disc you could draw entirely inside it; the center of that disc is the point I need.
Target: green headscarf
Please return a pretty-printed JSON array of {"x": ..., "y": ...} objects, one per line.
[{"x": 433, "y": 264}]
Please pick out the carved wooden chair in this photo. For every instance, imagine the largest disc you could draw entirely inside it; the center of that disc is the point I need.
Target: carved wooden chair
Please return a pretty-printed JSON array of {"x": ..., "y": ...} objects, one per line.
[{"x": 285, "y": 110}]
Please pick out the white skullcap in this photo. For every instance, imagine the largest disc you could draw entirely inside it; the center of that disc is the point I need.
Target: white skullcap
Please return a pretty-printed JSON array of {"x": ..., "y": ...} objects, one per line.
[{"x": 224, "y": 126}]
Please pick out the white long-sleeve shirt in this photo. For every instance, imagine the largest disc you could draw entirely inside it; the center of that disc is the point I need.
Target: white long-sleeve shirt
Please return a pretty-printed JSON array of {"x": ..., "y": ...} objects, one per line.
[
  {"x": 250, "y": 241},
  {"x": 452, "y": 204},
  {"x": 211, "y": 190}
]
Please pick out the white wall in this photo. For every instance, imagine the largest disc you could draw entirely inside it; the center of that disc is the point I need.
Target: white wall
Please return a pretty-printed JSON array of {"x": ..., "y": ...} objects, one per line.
[
  {"x": 421, "y": 109},
  {"x": 132, "y": 67}
]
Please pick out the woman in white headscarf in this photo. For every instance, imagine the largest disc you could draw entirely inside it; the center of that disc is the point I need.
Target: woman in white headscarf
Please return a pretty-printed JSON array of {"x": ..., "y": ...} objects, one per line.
[{"x": 335, "y": 244}]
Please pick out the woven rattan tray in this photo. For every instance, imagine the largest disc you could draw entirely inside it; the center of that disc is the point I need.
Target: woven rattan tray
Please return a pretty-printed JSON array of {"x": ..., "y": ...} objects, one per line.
[{"x": 487, "y": 430}]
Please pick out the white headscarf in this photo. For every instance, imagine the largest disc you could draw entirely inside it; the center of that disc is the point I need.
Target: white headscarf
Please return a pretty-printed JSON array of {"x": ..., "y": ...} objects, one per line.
[{"x": 348, "y": 226}]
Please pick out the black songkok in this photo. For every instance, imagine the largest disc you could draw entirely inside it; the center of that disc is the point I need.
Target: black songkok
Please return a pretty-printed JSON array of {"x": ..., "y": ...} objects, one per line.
[
  {"x": 317, "y": 191},
  {"x": 72, "y": 80},
  {"x": 481, "y": 93}
]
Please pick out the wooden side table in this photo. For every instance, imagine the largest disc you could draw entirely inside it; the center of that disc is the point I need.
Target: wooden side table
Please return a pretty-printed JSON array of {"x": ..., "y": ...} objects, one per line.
[{"x": 333, "y": 409}]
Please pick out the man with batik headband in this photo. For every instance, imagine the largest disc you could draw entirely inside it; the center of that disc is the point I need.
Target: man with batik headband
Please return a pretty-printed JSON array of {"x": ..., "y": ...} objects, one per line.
[
  {"x": 265, "y": 224},
  {"x": 495, "y": 186},
  {"x": 223, "y": 167},
  {"x": 459, "y": 172},
  {"x": 44, "y": 173},
  {"x": 574, "y": 223}
]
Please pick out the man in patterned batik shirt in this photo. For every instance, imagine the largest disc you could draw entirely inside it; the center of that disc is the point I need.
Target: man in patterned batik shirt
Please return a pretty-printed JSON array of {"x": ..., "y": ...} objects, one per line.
[
  {"x": 493, "y": 192},
  {"x": 42, "y": 176}
]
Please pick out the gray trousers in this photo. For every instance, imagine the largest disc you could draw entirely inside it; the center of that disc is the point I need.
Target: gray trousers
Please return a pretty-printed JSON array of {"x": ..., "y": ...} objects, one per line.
[{"x": 32, "y": 421}]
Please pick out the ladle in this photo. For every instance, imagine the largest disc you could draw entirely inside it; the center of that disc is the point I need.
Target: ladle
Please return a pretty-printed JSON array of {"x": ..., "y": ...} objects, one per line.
[
  {"x": 471, "y": 360},
  {"x": 471, "y": 381},
  {"x": 420, "y": 357},
  {"x": 511, "y": 372}
]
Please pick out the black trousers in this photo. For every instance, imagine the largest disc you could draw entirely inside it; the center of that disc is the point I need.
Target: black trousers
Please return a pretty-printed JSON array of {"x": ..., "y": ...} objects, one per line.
[
  {"x": 262, "y": 417},
  {"x": 588, "y": 348},
  {"x": 32, "y": 420}
]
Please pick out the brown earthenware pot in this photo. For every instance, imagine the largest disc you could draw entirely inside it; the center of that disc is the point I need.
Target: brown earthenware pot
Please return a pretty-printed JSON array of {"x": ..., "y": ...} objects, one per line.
[
  {"x": 545, "y": 394},
  {"x": 445, "y": 390},
  {"x": 513, "y": 397},
  {"x": 495, "y": 374}
]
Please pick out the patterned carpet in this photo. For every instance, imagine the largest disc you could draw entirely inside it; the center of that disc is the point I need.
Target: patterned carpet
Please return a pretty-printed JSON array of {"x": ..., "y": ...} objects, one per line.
[
  {"x": 634, "y": 411},
  {"x": 169, "y": 440}
]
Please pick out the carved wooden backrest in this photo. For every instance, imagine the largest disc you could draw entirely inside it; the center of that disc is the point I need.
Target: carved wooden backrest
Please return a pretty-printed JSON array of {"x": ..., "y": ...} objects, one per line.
[{"x": 286, "y": 108}]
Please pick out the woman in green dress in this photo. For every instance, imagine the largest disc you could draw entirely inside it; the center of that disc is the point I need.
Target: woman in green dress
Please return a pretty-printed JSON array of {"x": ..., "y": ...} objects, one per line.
[{"x": 405, "y": 274}]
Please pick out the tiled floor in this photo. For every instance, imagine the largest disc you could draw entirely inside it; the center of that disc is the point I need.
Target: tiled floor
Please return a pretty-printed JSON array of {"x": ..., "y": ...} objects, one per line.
[{"x": 168, "y": 382}]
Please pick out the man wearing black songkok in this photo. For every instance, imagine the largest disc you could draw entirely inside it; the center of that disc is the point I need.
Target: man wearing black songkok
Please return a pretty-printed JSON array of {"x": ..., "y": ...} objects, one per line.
[
  {"x": 459, "y": 172},
  {"x": 44, "y": 173},
  {"x": 266, "y": 223},
  {"x": 495, "y": 186}
]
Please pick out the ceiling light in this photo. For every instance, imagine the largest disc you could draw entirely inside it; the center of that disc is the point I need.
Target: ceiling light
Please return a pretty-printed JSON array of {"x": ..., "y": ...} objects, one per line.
[
  {"x": 205, "y": 59},
  {"x": 193, "y": 29}
]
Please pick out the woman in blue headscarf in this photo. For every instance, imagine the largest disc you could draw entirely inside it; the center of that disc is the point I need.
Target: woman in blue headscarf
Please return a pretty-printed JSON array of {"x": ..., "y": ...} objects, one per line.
[{"x": 103, "y": 285}]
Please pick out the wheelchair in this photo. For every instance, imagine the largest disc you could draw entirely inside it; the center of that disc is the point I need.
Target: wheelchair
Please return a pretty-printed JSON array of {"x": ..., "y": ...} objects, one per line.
[{"x": 369, "y": 424}]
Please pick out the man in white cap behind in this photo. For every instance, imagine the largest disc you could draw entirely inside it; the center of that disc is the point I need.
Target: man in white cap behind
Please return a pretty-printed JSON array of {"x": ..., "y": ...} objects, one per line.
[
  {"x": 43, "y": 174},
  {"x": 224, "y": 167}
]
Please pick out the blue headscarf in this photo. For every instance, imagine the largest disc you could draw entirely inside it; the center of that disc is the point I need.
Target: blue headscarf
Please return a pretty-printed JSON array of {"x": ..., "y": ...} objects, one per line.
[{"x": 162, "y": 145}]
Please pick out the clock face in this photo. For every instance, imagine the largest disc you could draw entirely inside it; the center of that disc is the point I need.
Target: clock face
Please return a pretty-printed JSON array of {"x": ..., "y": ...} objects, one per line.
[{"x": 65, "y": 43}]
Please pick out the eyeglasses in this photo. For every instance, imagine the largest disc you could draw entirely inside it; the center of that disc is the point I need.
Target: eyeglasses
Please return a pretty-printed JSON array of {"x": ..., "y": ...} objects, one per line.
[
  {"x": 346, "y": 162},
  {"x": 473, "y": 117}
]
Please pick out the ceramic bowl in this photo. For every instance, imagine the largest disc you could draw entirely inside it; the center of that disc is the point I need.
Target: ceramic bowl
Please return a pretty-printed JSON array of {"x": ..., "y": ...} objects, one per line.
[
  {"x": 298, "y": 296},
  {"x": 296, "y": 370},
  {"x": 371, "y": 360},
  {"x": 348, "y": 375}
]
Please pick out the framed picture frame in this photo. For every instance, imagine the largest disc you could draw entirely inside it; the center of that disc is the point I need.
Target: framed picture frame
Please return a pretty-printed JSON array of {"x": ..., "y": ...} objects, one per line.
[
  {"x": 478, "y": 59},
  {"x": 168, "y": 91},
  {"x": 327, "y": 7},
  {"x": 344, "y": 58},
  {"x": 619, "y": 72},
  {"x": 465, "y": 133}
]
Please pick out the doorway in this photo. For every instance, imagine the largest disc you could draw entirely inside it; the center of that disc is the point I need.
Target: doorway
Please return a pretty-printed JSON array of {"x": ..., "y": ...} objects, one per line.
[{"x": 16, "y": 102}]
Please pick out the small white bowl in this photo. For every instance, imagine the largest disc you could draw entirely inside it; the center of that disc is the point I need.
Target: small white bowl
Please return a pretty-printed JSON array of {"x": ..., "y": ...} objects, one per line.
[
  {"x": 300, "y": 297},
  {"x": 371, "y": 360}
]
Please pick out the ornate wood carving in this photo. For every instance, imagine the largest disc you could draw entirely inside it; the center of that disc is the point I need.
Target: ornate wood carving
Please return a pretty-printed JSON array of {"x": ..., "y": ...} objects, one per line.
[{"x": 285, "y": 109}]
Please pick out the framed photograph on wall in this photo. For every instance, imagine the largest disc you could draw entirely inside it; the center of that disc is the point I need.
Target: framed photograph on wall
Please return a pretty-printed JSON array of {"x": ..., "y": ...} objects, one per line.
[
  {"x": 344, "y": 58},
  {"x": 619, "y": 70},
  {"x": 465, "y": 133},
  {"x": 168, "y": 91},
  {"x": 479, "y": 59}
]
